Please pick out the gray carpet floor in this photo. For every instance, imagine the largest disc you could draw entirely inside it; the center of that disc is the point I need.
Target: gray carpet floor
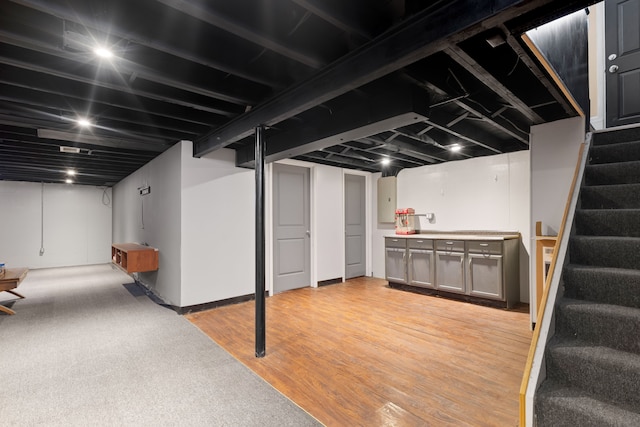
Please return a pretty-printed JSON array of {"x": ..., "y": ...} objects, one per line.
[
  {"x": 593, "y": 361},
  {"x": 83, "y": 350}
]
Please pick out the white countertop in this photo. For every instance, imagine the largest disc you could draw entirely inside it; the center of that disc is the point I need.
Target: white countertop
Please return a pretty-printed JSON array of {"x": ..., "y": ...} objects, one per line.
[{"x": 459, "y": 235}]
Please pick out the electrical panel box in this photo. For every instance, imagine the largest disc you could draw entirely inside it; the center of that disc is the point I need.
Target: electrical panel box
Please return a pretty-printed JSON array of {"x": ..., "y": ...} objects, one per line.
[{"x": 387, "y": 188}]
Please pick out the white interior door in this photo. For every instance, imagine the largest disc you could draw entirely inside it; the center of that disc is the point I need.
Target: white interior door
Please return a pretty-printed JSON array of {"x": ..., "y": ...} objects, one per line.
[
  {"x": 291, "y": 228},
  {"x": 355, "y": 226}
]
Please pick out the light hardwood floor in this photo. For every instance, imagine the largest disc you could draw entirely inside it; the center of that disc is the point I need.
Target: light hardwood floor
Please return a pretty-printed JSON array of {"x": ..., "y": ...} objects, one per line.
[{"x": 360, "y": 353}]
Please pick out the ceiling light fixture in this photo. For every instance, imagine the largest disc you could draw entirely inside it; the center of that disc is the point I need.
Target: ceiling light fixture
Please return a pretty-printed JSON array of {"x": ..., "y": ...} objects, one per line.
[
  {"x": 103, "y": 52},
  {"x": 84, "y": 122},
  {"x": 385, "y": 161},
  {"x": 71, "y": 150},
  {"x": 455, "y": 148}
]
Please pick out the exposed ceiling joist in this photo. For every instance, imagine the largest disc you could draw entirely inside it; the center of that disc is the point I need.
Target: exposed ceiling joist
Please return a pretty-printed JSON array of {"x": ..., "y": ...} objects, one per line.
[
  {"x": 101, "y": 97},
  {"x": 315, "y": 157},
  {"x": 147, "y": 94},
  {"x": 208, "y": 71},
  {"x": 464, "y": 136},
  {"x": 130, "y": 68},
  {"x": 426, "y": 140},
  {"x": 206, "y": 13},
  {"x": 336, "y": 16},
  {"x": 404, "y": 148},
  {"x": 408, "y": 42},
  {"x": 462, "y": 58},
  {"x": 495, "y": 120},
  {"x": 18, "y": 99},
  {"x": 177, "y": 46},
  {"x": 100, "y": 140},
  {"x": 372, "y": 150},
  {"x": 540, "y": 75}
]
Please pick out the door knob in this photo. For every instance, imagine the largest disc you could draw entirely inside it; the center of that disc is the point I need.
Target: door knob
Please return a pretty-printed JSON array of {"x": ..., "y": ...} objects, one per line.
[
  {"x": 308, "y": 233},
  {"x": 613, "y": 69}
]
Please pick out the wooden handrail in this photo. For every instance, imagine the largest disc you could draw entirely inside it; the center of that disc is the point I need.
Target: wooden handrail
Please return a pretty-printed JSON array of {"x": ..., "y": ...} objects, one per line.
[{"x": 545, "y": 295}]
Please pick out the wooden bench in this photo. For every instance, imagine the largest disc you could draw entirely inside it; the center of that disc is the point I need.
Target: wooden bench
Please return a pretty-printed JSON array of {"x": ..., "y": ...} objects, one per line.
[{"x": 9, "y": 281}]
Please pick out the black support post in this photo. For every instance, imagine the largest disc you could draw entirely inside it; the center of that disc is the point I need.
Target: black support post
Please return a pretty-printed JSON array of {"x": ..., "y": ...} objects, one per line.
[{"x": 260, "y": 244}]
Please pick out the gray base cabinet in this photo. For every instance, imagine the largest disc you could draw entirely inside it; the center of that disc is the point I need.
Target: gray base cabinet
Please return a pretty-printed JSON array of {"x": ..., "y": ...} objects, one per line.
[
  {"x": 484, "y": 276},
  {"x": 420, "y": 264},
  {"x": 487, "y": 269},
  {"x": 395, "y": 260},
  {"x": 450, "y": 266}
]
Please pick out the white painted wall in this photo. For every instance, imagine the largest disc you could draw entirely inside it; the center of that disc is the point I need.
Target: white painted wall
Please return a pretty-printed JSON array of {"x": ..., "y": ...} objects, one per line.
[
  {"x": 77, "y": 224},
  {"x": 201, "y": 212},
  {"x": 218, "y": 227},
  {"x": 483, "y": 193},
  {"x": 554, "y": 153},
  {"x": 154, "y": 219}
]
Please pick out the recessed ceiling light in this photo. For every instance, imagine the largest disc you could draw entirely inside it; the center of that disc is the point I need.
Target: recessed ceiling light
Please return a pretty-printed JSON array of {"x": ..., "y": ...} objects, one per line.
[
  {"x": 385, "y": 161},
  {"x": 84, "y": 122},
  {"x": 68, "y": 181},
  {"x": 103, "y": 52},
  {"x": 455, "y": 148},
  {"x": 71, "y": 172}
]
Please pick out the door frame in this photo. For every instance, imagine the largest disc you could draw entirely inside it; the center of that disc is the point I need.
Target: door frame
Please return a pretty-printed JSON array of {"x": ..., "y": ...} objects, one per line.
[
  {"x": 313, "y": 218},
  {"x": 269, "y": 222},
  {"x": 599, "y": 73},
  {"x": 368, "y": 218}
]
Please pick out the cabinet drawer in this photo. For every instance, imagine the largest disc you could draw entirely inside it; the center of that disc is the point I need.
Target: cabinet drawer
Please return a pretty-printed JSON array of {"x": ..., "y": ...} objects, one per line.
[
  {"x": 450, "y": 245},
  {"x": 420, "y": 243},
  {"x": 485, "y": 247},
  {"x": 393, "y": 242}
]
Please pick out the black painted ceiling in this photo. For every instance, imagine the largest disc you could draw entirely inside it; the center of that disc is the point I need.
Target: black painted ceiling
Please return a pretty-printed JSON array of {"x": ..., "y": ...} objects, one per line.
[{"x": 324, "y": 77}]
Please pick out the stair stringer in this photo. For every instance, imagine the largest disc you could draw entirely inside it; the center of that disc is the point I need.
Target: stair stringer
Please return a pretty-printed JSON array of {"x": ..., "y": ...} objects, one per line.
[{"x": 546, "y": 320}]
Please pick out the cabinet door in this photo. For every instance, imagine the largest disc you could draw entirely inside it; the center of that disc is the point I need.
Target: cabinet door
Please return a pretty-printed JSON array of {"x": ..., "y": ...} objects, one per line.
[
  {"x": 395, "y": 265},
  {"x": 485, "y": 276},
  {"x": 420, "y": 266},
  {"x": 450, "y": 271}
]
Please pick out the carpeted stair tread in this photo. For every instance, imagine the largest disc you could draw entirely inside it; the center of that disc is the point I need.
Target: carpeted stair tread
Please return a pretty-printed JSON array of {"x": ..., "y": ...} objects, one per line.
[
  {"x": 593, "y": 360},
  {"x": 613, "y": 173},
  {"x": 568, "y": 407},
  {"x": 605, "y": 251},
  {"x": 617, "y": 286},
  {"x": 616, "y": 135},
  {"x": 614, "y": 153},
  {"x": 599, "y": 324},
  {"x": 611, "y": 375},
  {"x": 617, "y": 196},
  {"x": 608, "y": 222}
]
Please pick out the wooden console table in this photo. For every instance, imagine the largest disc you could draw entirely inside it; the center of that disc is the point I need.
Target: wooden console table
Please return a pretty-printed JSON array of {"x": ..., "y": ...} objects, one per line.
[
  {"x": 9, "y": 281},
  {"x": 134, "y": 258}
]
